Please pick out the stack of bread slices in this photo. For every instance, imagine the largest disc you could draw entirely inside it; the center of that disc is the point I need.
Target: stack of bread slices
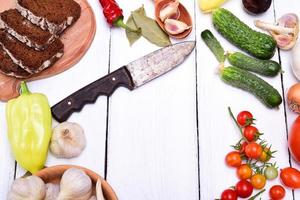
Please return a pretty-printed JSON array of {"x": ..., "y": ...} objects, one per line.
[{"x": 29, "y": 35}]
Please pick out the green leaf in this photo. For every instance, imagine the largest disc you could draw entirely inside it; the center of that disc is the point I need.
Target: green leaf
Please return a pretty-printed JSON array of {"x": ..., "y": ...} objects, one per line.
[
  {"x": 132, "y": 36},
  {"x": 150, "y": 29}
]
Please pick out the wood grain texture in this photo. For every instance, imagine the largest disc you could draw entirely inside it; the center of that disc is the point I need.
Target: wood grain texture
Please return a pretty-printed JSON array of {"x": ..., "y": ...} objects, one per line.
[
  {"x": 77, "y": 41},
  {"x": 216, "y": 128},
  {"x": 53, "y": 175},
  {"x": 289, "y": 79},
  {"x": 152, "y": 136}
]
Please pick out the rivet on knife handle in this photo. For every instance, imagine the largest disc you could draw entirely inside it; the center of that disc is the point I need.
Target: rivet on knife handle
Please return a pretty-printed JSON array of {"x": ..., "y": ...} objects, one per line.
[{"x": 89, "y": 94}]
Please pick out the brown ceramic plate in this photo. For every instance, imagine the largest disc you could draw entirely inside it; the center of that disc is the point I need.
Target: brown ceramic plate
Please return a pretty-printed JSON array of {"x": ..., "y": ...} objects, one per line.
[{"x": 53, "y": 175}]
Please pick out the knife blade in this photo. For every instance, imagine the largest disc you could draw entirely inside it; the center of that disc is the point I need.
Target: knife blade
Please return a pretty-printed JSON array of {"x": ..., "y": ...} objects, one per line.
[{"x": 131, "y": 76}]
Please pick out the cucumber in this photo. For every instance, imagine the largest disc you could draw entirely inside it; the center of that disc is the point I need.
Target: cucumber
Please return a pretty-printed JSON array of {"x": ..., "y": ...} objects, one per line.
[
  {"x": 250, "y": 82},
  {"x": 214, "y": 45},
  {"x": 258, "y": 44},
  {"x": 263, "y": 67}
]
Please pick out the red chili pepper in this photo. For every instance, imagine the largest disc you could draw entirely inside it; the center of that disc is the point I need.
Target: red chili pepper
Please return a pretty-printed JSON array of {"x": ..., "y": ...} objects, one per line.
[{"x": 113, "y": 14}]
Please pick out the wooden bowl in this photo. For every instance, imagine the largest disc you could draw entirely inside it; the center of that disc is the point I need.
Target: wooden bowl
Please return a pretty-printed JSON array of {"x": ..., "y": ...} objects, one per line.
[
  {"x": 184, "y": 17},
  {"x": 53, "y": 175}
]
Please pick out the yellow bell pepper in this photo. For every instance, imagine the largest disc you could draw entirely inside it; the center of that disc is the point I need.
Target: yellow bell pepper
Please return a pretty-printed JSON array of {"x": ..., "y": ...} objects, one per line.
[
  {"x": 29, "y": 124},
  {"x": 209, "y": 5}
]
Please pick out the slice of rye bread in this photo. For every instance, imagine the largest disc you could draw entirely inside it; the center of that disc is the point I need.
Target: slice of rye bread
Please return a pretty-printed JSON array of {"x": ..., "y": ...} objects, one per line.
[
  {"x": 8, "y": 67},
  {"x": 27, "y": 58},
  {"x": 26, "y": 32},
  {"x": 52, "y": 15}
]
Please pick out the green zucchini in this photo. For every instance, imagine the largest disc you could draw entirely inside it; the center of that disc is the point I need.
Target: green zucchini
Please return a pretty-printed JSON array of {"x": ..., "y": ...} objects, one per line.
[
  {"x": 250, "y": 82},
  {"x": 263, "y": 67},
  {"x": 214, "y": 45},
  {"x": 258, "y": 44}
]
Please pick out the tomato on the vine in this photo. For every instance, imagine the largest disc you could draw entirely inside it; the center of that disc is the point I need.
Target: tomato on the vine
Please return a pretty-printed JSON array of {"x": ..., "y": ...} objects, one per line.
[
  {"x": 233, "y": 159},
  {"x": 244, "y": 171},
  {"x": 258, "y": 181},
  {"x": 253, "y": 150},
  {"x": 244, "y": 189},
  {"x": 250, "y": 133},
  {"x": 245, "y": 118},
  {"x": 229, "y": 194},
  {"x": 271, "y": 172},
  {"x": 242, "y": 147},
  {"x": 265, "y": 155},
  {"x": 277, "y": 192}
]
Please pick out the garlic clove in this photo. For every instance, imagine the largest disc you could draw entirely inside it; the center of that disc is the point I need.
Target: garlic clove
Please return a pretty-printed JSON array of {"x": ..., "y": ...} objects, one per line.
[
  {"x": 285, "y": 32},
  {"x": 99, "y": 192},
  {"x": 68, "y": 140},
  {"x": 175, "y": 27},
  {"x": 75, "y": 184},
  {"x": 52, "y": 191},
  {"x": 170, "y": 10},
  {"x": 29, "y": 188}
]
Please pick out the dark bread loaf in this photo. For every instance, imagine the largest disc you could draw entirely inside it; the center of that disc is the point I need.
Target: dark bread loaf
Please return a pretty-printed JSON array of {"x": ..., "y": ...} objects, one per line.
[
  {"x": 52, "y": 15},
  {"x": 23, "y": 30},
  {"x": 27, "y": 58}
]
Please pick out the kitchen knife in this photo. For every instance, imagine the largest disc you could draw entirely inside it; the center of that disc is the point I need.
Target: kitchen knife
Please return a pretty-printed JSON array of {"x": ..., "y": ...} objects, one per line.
[{"x": 130, "y": 76}]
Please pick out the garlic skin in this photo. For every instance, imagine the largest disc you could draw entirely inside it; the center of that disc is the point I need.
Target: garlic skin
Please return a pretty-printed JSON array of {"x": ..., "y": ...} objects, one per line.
[
  {"x": 99, "y": 192},
  {"x": 68, "y": 140},
  {"x": 93, "y": 198},
  {"x": 52, "y": 191},
  {"x": 29, "y": 188},
  {"x": 75, "y": 185},
  {"x": 175, "y": 27},
  {"x": 171, "y": 9}
]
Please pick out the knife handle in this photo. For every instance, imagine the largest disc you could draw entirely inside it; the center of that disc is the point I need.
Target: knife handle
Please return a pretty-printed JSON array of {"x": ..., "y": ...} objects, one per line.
[{"x": 89, "y": 94}]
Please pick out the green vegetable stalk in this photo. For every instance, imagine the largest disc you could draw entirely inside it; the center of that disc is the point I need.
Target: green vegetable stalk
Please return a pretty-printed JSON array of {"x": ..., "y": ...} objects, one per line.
[{"x": 29, "y": 124}]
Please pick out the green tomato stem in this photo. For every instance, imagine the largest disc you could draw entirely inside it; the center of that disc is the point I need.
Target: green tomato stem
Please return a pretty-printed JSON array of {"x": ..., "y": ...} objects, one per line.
[
  {"x": 232, "y": 116},
  {"x": 252, "y": 198}
]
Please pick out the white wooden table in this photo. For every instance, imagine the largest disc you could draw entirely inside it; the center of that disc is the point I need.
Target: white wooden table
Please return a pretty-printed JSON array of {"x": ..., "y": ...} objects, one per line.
[{"x": 167, "y": 139}]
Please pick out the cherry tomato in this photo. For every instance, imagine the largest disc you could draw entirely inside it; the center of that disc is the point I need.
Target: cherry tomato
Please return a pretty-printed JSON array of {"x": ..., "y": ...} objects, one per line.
[
  {"x": 258, "y": 181},
  {"x": 233, "y": 159},
  {"x": 265, "y": 155},
  {"x": 290, "y": 177},
  {"x": 294, "y": 139},
  {"x": 244, "y": 171},
  {"x": 245, "y": 118},
  {"x": 277, "y": 192},
  {"x": 229, "y": 194},
  {"x": 243, "y": 146},
  {"x": 250, "y": 133},
  {"x": 271, "y": 173},
  {"x": 244, "y": 189},
  {"x": 253, "y": 150}
]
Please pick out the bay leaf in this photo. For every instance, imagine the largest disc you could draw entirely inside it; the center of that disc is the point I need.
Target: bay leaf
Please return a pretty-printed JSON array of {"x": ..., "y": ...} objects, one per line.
[
  {"x": 150, "y": 29},
  {"x": 131, "y": 35}
]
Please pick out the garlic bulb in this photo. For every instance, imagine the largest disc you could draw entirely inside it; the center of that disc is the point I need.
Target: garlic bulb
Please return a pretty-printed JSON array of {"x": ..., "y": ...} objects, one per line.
[
  {"x": 75, "y": 185},
  {"x": 68, "y": 140},
  {"x": 169, "y": 10},
  {"x": 52, "y": 191},
  {"x": 175, "y": 27},
  {"x": 99, "y": 192},
  {"x": 29, "y": 188}
]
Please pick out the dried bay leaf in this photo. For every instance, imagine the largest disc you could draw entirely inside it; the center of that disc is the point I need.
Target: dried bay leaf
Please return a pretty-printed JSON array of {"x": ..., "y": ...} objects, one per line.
[
  {"x": 132, "y": 36},
  {"x": 150, "y": 29}
]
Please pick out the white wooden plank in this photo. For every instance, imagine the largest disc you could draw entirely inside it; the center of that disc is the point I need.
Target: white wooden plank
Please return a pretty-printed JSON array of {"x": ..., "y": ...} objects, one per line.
[
  {"x": 292, "y": 6},
  {"x": 7, "y": 163},
  {"x": 93, "y": 117},
  {"x": 216, "y": 129},
  {"x": 152, "y": 149}
]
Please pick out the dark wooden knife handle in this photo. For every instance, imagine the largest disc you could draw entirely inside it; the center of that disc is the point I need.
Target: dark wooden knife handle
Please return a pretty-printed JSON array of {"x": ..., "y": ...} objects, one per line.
[{"x": 89, "y": 94}]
